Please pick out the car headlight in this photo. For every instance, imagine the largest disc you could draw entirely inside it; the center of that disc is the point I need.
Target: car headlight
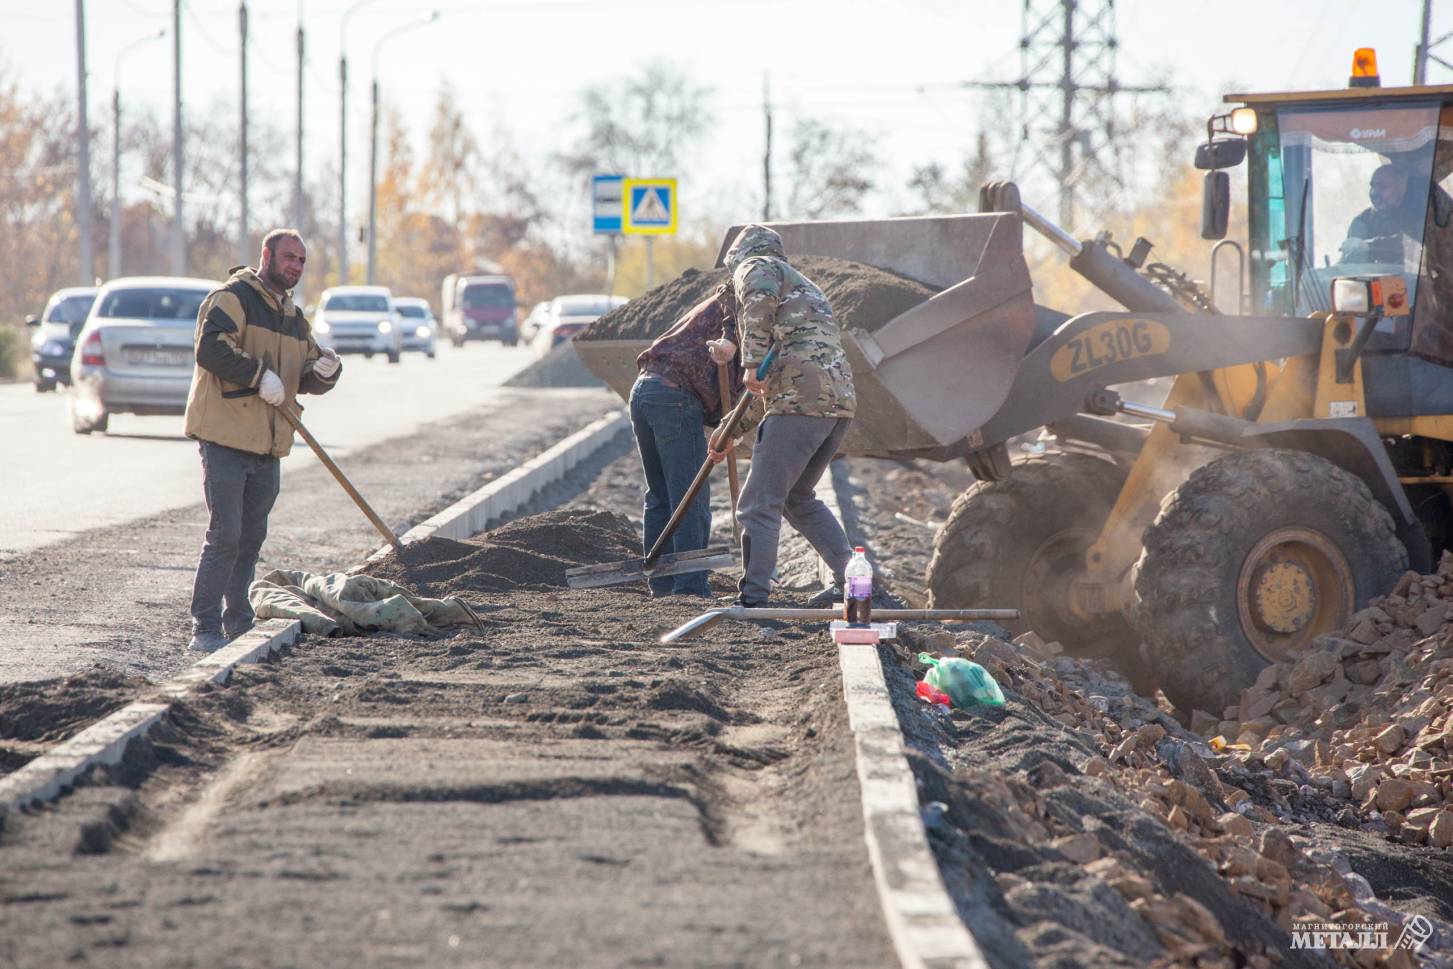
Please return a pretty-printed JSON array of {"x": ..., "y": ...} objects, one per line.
[
  {"x": 322, "y": 327},
  {"x": 422, "y": 331},
  {"x": 384, "y": 326}
]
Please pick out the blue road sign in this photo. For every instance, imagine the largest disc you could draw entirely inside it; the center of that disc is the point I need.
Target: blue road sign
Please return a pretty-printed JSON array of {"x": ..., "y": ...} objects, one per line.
[
  {"x": 605, "y": 191},
  {"x": 650, "y": 206}
]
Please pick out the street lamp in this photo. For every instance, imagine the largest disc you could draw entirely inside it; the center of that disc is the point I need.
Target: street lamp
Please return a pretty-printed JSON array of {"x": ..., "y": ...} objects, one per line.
[
  {"x": 373, "y": 141},
  {"x": 113, "y": 252},
  {"x": 343, "y": 142}
]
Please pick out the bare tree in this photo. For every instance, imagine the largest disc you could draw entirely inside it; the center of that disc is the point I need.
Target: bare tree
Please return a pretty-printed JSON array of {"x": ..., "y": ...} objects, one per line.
[
  {"x": 643, "y": 125},
  {"x": 830, "y": 169}
]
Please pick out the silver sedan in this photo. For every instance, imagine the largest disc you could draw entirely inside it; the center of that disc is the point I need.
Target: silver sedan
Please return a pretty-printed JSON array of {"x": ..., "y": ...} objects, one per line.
[{"x": 134, "y": 355}]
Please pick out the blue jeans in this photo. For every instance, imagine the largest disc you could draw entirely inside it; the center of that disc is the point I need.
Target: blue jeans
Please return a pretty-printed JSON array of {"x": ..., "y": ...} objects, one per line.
[
  {"x": 671, "y": 436},
  {"x": 240, "y": 488}
]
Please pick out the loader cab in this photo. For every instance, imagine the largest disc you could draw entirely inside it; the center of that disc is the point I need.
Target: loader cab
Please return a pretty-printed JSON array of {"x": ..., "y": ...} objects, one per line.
[{"x": 1354, "y": 183}]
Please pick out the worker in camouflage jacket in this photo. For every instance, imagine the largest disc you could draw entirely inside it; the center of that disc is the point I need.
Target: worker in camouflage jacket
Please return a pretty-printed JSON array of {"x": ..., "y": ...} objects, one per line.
[{"x": 808, "y": 403}]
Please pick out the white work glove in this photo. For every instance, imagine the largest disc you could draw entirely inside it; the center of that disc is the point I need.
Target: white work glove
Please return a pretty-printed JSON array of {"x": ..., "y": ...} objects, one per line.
[
  {"x": 722, "y": 351},
  {"x": 326, "y": 365},
  {"x": 270, "y": 389}
]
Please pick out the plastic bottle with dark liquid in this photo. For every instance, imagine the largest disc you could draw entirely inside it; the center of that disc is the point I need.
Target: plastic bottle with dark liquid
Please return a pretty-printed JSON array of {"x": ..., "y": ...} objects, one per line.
[{"x": 858, "y": 593}]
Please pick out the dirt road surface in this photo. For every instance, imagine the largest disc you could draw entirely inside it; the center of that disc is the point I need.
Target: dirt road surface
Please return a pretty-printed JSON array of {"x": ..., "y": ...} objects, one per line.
[{"x": 560, "y": 790}]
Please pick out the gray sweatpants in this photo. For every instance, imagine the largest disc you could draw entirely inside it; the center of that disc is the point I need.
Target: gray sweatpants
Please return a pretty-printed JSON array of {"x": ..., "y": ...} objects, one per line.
[
  {"x": 240, "y": 489},
  {"x": 790, "y": 455}
]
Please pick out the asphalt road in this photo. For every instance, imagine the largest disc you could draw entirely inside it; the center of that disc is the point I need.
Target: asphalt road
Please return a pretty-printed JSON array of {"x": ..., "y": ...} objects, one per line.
[{"x": 57, "y": 484}]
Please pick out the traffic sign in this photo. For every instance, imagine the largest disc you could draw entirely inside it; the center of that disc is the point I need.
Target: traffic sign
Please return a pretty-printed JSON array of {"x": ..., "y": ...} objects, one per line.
[
  {"x": 649, "y": 206},
  {"x": 605, "y": 193}
]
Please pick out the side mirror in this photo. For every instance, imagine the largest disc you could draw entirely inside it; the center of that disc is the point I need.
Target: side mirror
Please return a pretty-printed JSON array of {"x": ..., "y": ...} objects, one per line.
[
  {"x": 32, "y": 320},
  {"x": 1224, "y": 153},
  {"x": 1215, "y": 205}
]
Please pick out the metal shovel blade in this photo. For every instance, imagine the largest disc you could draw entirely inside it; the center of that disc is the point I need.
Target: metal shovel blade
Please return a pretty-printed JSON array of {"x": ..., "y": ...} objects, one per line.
[{"x": 675, "y": 563}]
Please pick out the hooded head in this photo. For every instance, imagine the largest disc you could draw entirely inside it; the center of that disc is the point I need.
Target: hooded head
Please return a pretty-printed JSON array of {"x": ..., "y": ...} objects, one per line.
[{"x": 754, "y": 240}]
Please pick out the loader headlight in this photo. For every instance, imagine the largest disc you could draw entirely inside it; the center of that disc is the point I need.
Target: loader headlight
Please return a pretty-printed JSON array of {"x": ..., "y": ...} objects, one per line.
[
  {"x": 1353, "y": 296},
  {"x": 1361, "y": 295},
  {"x": 1243, "y": 121}
]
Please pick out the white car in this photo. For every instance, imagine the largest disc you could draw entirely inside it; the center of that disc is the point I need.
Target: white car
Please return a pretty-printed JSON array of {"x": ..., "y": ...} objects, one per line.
[
  {"x": 568, "y": 315},
  {"x": 419, "y": 327},
  {"x": 531, "y": 324},
  {"x": 359, "y": 319},
  {"x": 135, "y": 353}
]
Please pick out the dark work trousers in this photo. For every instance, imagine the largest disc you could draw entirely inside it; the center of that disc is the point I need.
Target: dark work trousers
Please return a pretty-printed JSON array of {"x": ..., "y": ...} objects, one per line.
[
  {"x": 240, "y": 489},
  {"x": 790, "y": 455},
  {"x": 671, "y": 436}
]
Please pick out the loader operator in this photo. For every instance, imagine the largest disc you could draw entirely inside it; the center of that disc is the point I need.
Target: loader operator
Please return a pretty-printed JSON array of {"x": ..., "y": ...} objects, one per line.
[
  {"x": 808, "y": 401},
  {"x": 254, "y": 351},
  {"x": 676, "y": 395},
  {"x": 1376, "y": 233}
]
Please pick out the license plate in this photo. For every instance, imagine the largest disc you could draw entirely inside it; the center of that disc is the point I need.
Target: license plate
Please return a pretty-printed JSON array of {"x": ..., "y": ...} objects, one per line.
[{"x": 158, "y": 357}]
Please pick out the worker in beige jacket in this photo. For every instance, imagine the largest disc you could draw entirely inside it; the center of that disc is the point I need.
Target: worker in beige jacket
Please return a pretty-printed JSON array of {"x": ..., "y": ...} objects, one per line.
[{"x": 254, "y": 353}]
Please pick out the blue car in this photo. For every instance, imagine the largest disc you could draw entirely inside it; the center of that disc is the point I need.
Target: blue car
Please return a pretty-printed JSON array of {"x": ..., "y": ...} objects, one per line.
[{"x": 54, "y": 340}]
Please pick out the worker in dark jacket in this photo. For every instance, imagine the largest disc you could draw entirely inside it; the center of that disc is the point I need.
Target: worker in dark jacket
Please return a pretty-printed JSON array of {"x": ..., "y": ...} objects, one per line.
[
  {"x": 675, "y": 398},
  {"x": 254, "y": 353}
]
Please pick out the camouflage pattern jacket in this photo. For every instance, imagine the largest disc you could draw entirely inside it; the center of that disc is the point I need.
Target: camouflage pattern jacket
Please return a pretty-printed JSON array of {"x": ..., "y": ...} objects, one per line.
[{"x": 778, "y": 305}]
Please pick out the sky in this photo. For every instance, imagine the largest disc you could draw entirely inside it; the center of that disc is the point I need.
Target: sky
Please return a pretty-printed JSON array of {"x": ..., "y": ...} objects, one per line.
[{"x": 895, "y": 70}]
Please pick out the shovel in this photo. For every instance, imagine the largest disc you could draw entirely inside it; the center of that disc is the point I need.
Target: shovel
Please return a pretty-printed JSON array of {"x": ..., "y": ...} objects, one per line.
[
  {"x": 363, "y": 506},
  {"x": 657, "y": 563}
]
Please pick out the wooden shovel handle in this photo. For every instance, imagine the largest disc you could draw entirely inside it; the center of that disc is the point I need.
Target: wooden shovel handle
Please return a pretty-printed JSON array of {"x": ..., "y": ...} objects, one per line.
[{"x": 363, "y": 506}]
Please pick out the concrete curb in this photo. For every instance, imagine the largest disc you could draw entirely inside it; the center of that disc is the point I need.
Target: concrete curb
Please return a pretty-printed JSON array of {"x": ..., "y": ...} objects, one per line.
[
  {"x": 925, "y": 927},
  {"x": 471, "y": 514},
  {"x": 104, "y": 742},
  {"x": 46, "y": 777}
]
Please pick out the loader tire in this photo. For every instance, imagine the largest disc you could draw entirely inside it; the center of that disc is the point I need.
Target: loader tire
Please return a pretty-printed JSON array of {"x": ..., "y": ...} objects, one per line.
[
  {"x": 1018, "y": 542},
  {"x": 1249, "y": 560}
]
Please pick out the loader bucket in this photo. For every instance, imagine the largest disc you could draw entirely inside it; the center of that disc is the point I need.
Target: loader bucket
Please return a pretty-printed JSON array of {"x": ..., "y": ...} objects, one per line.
[{"x": 933, "y": 375}]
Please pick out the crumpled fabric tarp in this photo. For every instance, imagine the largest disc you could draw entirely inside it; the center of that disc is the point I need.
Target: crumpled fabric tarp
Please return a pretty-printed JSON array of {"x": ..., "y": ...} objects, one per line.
[{"x": 338, "y": 603}]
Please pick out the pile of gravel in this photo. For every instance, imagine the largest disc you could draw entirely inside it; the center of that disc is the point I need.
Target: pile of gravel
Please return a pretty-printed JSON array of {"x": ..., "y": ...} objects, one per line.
[
  {"x": 862, "y": 297},
  {"x": 531, "y": 553}
]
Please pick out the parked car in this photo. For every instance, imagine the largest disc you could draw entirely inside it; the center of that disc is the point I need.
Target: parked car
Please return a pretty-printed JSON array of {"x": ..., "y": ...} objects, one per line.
[
  {"x": 359, "y": 319},
  {"x": 480, "y": 308},
  {"x": 54, "y": 340},
  {"x": 134, "y": 354},
  {"x": 569, "y": 315},
  {"x": 531, "y": 324},
  {"x": 417, "y": 324}
]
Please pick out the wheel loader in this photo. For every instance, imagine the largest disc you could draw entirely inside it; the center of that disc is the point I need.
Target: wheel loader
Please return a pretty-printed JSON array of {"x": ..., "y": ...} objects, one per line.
[{"x": 1299, "y": 464}]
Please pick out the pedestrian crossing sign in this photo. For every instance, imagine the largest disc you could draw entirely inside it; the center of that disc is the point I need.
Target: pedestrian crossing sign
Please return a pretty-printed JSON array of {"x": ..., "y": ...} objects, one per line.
[{"x": 649, "y": 207}]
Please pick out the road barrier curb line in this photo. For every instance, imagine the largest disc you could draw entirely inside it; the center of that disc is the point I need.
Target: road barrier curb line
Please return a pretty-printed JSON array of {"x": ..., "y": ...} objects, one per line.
[
  {"x": 923, "y": 923},
  {"x": 470, "y": 515},
  {"x": 105, "y": 741}
]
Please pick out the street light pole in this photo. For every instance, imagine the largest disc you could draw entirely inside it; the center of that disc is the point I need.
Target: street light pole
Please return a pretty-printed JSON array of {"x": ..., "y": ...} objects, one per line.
[
  {"x": 242, "y": 218},
  {"x": 83, "y": 160},
  {"x": 343, "y": 142},
  {"x": 373, "y": 145},
  {"x": 179, "y": 240},
  {"x": 113, "y": 249}
]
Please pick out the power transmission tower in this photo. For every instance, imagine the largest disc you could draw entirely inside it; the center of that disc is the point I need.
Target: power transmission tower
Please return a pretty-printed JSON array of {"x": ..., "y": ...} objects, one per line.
[
  {"x": 1424, "y": 51},
  {"x": 1068, "y": 87}
]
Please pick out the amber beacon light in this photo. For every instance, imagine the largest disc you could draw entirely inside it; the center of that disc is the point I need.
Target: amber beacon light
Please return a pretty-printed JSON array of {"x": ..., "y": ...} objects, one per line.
[{"x": 1364, "y": 69}]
